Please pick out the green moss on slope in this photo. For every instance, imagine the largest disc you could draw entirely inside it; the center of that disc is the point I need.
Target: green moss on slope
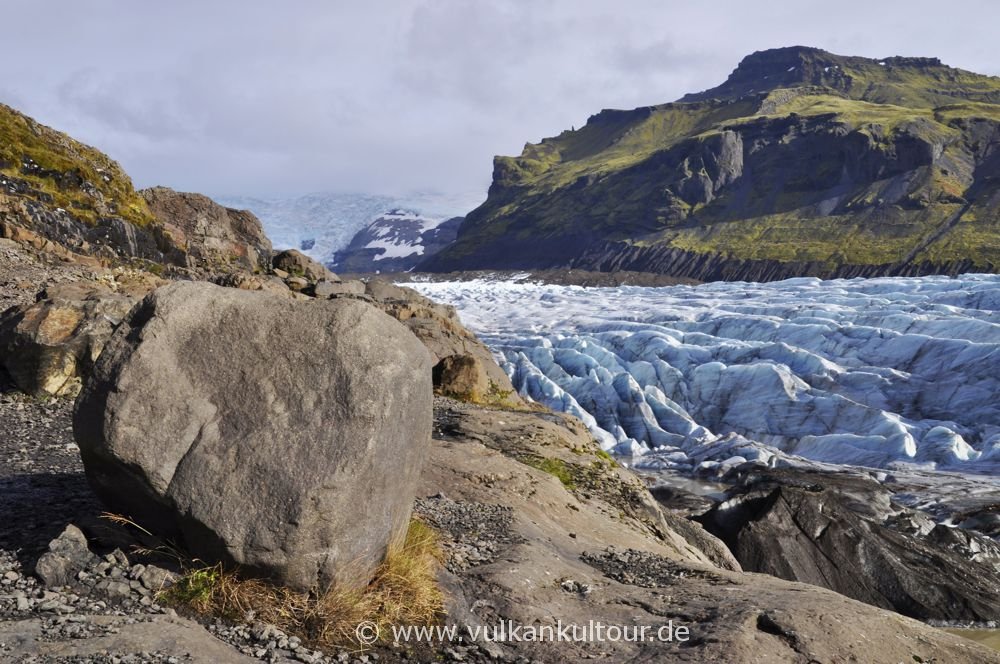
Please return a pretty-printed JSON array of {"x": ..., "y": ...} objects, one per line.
[{"x": 66, "y": 173}]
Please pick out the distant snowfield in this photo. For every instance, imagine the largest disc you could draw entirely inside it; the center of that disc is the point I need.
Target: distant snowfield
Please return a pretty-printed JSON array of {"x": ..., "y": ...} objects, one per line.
[
  {"x": 900, "y": 373},
  {"x": 398, "y": 233}
]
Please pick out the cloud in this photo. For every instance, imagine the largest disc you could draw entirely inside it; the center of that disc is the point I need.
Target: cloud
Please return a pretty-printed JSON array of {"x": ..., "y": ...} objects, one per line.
[{"x": 256, "y": 98}]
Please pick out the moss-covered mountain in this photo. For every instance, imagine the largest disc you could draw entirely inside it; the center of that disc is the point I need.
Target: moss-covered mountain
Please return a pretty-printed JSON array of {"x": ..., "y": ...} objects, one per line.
[
  {"x": 801, "y": 163},
  {"x": 74, "y": 199}
]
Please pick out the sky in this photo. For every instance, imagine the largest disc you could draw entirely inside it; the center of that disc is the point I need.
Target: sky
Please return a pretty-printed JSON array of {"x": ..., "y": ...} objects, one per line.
[{"x": 243, "y": 97}]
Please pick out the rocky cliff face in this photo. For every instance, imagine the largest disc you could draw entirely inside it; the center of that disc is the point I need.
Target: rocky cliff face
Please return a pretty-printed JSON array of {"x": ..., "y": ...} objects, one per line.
[
  {"x": 70, "y": 199},
  {"x": 802, "y": 163}
]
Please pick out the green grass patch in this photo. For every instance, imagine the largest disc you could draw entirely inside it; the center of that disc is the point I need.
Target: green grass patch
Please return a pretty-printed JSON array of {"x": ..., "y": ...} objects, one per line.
[
  {"x": 601, "y": 454},
  {"x": 555, "y": 467}
]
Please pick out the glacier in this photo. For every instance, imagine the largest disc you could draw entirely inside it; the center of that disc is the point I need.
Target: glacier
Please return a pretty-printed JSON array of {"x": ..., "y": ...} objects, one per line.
[{"x": 891, "y": 373}]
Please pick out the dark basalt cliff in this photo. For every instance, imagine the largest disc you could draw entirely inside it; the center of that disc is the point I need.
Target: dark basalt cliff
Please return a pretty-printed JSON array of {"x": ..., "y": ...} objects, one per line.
[{"x": 802, "y": 163}]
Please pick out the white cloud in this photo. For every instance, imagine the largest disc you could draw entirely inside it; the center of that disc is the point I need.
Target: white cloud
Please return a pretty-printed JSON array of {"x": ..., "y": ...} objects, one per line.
[{"x": 262, "y": 97}]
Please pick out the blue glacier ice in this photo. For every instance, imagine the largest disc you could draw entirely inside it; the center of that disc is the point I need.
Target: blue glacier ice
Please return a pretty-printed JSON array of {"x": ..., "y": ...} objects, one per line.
[{"x": 886, "y": 373}]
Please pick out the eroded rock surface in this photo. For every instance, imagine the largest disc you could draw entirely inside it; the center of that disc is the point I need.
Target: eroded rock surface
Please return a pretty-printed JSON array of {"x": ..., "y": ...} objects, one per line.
[{"x": 576, "y": 551}]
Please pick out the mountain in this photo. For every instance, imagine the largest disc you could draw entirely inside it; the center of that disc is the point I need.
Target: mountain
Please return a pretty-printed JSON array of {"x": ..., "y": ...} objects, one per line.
[
  {"x": 73, "y": 200},
  {"x": 802, "y": 163},
  {"x": 321, "y": 224},
  {"x": 396, "y": 242}
]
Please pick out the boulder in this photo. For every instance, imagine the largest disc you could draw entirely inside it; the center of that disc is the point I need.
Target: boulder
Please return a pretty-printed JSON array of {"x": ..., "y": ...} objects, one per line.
[
  {"x": 253, "y": 282},
  {"x": 297, "y": 264},
  {"x": 328, "y": 289},
  {"x": 441, "y": 331},
  {"x": 280, "y": 435},
  {"x": 48, "y": 346},
  {"x": 464, "y": 377},
  {"x": 68, "y": 554},
  {"x": 297, "y": 284}
]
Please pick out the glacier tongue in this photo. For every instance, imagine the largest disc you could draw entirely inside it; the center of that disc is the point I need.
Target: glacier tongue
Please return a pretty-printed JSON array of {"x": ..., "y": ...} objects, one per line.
[{"x": 877, "y": 372}]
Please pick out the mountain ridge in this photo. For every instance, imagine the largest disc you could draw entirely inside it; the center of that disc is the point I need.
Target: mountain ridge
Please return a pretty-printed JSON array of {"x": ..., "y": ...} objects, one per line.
[
  {"x": 880, "y": 80},
  {"x": 896, "y": 167},
  {"x": 395, "y": 241}
]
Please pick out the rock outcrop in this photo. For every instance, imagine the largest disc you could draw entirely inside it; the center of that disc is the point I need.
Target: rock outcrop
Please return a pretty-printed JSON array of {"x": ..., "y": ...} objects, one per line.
[
  {"x": 441, "y": 331},
  {"x": 71, "y": 186},
  {"x": 533, "y": 484},
  {"x": 56, "y": 190},
  {"x": 462, "y": 376},
  {"x": 297, "y": 264},
  {"x": 205, "y": 234},
  {"x": 845, "y": 533},
  {"x": 282, "y": 436}
]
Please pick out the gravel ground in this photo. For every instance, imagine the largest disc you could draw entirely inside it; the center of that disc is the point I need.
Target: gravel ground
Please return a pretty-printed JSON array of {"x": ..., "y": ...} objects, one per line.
[
  {"x": 478, "y": 532},
  {"x": 23, "y": 274},
  {"x": 647, "y": 570},
  {"x": 43, "y": 490},
  {"x": 41, "y": 476}
]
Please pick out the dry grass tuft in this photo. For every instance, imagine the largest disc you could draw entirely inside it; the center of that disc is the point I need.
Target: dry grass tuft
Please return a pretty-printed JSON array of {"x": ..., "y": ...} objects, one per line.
[{"x": 404, "y": 591}]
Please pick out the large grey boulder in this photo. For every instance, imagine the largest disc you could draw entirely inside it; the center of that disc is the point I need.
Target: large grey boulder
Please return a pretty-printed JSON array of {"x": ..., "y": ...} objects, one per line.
[{"x": 281, "y": 435}]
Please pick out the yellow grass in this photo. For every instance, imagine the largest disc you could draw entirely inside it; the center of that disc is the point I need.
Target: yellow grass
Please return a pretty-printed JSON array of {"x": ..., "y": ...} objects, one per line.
[{"x": 404, "y": 591}]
